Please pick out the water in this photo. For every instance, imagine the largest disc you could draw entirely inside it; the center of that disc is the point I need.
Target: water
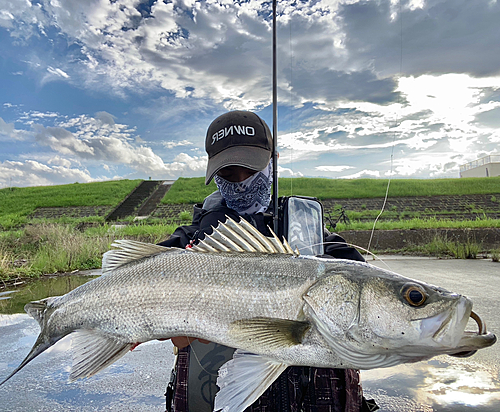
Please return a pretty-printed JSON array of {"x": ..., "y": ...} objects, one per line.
[
  {"x": 42, "y": 288},
  {"x": 138, "y": 380}
]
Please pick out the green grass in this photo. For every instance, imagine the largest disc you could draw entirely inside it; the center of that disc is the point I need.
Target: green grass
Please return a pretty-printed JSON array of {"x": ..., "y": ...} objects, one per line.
[
  {"x": 442, "y": 247},
  {"x": 495, "y": 255},
  {"x": 417, "y": 223},
  {"x": 17, "y": 203},
  {"x": 150, "y": 231},
  {"x": 48, "y": 247},
  {"x": 193, "y": 190},
  {"x": 188, "y": 190}
]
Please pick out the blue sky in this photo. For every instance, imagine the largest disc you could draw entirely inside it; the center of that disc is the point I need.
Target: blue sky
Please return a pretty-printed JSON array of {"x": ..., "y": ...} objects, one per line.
[{"x": 125, "y": 89}]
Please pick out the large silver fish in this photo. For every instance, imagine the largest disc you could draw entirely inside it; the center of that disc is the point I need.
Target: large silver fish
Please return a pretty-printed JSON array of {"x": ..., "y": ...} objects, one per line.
[{"x": 253, "y": 293}]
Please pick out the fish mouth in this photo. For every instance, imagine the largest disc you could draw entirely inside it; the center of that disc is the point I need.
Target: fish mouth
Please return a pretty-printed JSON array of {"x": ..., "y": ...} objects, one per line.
[
  {"x": 448, "y": 331},
  {"x": 474, "y": 340}
]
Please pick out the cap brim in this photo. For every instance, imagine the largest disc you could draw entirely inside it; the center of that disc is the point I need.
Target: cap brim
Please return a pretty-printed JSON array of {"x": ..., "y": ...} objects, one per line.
[{"x": 255, "y": 158}]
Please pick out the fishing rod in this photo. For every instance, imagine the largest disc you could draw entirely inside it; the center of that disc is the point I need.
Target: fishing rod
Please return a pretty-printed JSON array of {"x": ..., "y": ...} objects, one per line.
[
  {"x": 293, "y": 213},
  {"x": 275, "y": 127}
]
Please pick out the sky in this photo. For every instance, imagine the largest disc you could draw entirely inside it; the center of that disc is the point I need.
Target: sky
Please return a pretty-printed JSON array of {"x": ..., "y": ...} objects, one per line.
[{"x": 123, "y": 89}]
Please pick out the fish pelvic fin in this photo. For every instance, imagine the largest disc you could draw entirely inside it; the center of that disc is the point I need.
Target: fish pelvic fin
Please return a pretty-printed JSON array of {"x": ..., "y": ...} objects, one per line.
[
  {"x": 270, "y": 332},
  {"x": 92, "y": 352},
  {"x": 39, "y": 310},
  {"x": 128, "y": 251},
  {"x": 243, "y": 379},
  {"x": 242, "y": 237}
]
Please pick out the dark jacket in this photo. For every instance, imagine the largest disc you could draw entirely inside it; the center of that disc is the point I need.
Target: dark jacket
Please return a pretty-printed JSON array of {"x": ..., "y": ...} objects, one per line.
[{"x": 214, "y": 210}]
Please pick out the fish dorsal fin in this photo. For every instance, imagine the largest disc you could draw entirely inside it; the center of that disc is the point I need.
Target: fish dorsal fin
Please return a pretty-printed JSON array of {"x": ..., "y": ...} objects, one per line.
[
  {"x": 241, "y": 236},
  {"x": 243, "y": 379},
  {"x": 128, "y": 251}
]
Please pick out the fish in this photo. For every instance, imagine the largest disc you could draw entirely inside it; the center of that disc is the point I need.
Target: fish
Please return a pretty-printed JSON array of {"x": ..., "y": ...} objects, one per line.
[{"x": 254, "y": 293}]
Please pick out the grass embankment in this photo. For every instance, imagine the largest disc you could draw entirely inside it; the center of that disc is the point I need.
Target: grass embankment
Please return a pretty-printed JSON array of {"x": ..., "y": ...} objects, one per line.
[
  {"x": 194, "y": 190},
  {"x": 31, "y": 247},
  {"x": 16, "y": 204},
  {"x": 417, "y": 223}
]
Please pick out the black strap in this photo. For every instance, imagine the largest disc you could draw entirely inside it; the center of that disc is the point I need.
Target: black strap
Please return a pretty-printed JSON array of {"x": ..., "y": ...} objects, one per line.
[
  {"x": 304, "y": 380},
  {"x": 169, "y": 393},
  {"x": 369, "y": 405}
]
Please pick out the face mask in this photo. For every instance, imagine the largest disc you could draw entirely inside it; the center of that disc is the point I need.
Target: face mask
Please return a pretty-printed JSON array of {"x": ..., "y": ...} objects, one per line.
[{"x": 252, "y": 195}]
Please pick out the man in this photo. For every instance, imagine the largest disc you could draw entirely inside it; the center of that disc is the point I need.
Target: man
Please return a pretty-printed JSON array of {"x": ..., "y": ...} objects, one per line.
[{"x": 239, "y": 147}]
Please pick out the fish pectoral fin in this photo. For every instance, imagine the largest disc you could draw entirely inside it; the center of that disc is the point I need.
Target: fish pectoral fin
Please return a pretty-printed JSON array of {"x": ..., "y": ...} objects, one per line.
[
  {"x": 92, "y": 352},
  {"x": 244, "y": 379},
  {"x": 271, "y": 332},
  {"x": 128, "y": 251}
]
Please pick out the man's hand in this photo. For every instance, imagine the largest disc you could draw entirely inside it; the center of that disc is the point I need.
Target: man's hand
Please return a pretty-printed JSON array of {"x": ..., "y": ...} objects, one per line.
[{"x": 183, "y": 341}]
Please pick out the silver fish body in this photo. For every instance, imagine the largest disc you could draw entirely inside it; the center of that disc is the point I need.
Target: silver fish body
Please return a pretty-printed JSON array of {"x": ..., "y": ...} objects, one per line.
[{"x": 277, "y": 309}]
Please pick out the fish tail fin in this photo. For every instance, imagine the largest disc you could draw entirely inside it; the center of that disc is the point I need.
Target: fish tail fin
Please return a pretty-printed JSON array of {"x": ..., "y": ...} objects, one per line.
[{"x": 38, "y": 311}]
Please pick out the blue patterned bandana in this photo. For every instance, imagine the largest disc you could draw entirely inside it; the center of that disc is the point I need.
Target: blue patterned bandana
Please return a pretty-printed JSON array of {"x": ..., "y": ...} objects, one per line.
[{"x": 252, "y": 195}]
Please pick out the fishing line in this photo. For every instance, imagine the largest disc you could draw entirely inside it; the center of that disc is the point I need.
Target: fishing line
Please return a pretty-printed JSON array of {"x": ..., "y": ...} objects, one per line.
[
  {"x": 395, "y": 126},
  {"x": 191, "y": 348},
  {"x": 291, "y": 103},
  {"x": 375, "y": 257}
]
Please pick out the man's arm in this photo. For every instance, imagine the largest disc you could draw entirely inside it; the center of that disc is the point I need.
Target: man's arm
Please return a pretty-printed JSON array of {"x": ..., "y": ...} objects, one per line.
[{"x": 336, "y": 246}]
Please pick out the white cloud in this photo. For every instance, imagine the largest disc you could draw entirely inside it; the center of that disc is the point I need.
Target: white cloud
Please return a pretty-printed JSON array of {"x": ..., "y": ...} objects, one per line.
[
  {"x": 59, "y": 161},
  {"x": 286, "y": 172},
  {"x": 8, "y": 132},
  {"x": 192, "y": 163},
  {"x": 362, "y": 174},
  {"x": 333, "y": 168},
  {"x": 6, "y": 129},
  {"x": 57, "y": 72},
  {"x": 171, "y": 144},
  {"x": 437, "y": 165},
  {"x": 33, "y": 173},
  {"x": 6, "y": 19},
  {"x": 340, "y": 70},
  {"x": 105, "y": 118},
  {"x": 90, "y": 141}
]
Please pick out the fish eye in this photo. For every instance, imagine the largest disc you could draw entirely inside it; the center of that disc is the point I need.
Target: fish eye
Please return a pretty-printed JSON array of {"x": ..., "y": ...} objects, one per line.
[{"x": 414, "y": 295}]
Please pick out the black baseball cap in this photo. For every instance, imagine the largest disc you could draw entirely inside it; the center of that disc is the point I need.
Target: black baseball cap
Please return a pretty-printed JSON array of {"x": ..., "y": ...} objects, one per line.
[{"x": 237, "y": 138}]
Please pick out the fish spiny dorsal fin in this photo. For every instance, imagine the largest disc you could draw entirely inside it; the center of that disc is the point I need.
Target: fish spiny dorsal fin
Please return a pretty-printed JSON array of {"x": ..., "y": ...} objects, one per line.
[
  {"x": 216, "y": 244},
  {"x": 128, "y": 251},
  {"x": 254, "y": 244},
  {"x": 225, "y": 239},
  {"x": 241, "y": 237},
  {"x": 284, "y": 246}
]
